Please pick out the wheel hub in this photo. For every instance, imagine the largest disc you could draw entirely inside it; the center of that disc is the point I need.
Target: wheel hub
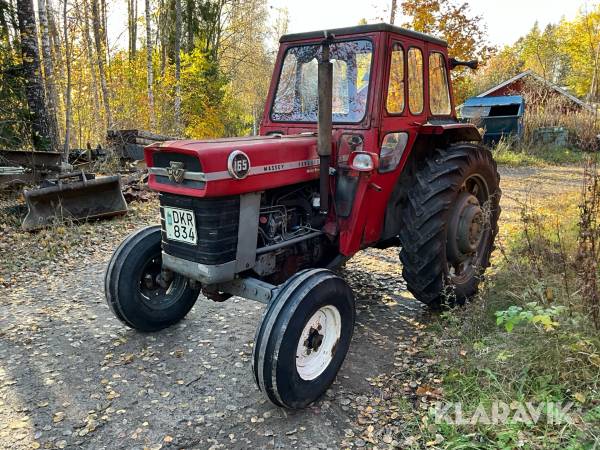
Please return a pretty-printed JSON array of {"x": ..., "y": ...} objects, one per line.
[
  {"x": 318, "y": 342},
  {"x": 465, "y": 228},
  {"x": 157, "y": 286},
  {"x": 314, "y": 340}
]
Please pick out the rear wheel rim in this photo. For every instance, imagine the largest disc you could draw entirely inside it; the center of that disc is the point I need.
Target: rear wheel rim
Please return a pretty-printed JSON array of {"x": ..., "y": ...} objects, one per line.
[
  {"x": 318, "y": 342},
  {"x": 468, "y": 231},
  {"x": 154, "y": 294}
]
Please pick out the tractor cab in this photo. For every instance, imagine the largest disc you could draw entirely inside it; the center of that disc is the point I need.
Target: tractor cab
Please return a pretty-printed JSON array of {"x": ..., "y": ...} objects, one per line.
[{"x": 389, "y": 87}]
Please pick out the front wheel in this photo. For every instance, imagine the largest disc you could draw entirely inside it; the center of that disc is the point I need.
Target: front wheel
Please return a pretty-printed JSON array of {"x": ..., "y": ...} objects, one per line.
[
  {"x": 139, "y": 293},
  {"x": 449, "y": 222},
  {"x": 303, "y": 338}
]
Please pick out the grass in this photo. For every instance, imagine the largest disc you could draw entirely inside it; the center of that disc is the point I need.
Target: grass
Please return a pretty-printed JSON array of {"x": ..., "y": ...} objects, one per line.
[
  {"x": 540, "y": 156},
  {"x": 479, "y": 362}
]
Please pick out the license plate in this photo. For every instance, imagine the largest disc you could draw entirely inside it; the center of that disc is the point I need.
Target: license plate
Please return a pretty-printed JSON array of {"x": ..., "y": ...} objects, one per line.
[{"x": 180, "y": 225}]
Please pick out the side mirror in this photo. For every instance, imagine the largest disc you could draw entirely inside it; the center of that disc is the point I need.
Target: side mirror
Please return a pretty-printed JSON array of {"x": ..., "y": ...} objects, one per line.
[{"x": 454, "y": 63}]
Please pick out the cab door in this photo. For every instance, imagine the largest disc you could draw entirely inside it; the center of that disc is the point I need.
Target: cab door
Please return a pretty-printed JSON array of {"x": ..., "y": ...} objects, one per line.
[{"x": 404, "y": 110}]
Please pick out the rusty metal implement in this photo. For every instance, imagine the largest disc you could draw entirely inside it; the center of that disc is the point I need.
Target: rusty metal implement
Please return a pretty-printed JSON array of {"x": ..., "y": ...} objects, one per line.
[{"x": 73, "y": 196}]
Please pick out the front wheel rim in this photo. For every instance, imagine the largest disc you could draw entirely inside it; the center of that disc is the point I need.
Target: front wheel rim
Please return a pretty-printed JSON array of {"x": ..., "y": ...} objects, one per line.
[
  {"x": 154, "y": 294},
  {"x": 318, "y": 342}
]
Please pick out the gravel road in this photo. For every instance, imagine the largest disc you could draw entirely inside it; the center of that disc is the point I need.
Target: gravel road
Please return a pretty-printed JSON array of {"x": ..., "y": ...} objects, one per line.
[{"x": 72, "y": 376}]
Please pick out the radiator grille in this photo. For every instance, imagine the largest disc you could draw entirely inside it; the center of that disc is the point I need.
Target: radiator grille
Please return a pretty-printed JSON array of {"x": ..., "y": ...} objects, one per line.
[{"x": 217, "y": 222}]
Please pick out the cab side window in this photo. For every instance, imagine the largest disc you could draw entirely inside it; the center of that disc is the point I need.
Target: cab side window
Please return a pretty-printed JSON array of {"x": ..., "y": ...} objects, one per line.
[
  {"x": 415, "y": 80},
  {"x": 439, "y": 94},
  {"x": 395, "y": 94}
]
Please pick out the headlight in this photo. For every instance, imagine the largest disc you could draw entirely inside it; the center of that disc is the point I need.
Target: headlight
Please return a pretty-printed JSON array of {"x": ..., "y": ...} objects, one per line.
[
  {"x": 392, "y": 149},
  {"x": 362, "y": 161}
]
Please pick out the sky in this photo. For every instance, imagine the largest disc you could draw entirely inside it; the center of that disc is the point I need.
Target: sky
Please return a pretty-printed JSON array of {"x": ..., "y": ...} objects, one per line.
[{"x": 507, "y": 20}]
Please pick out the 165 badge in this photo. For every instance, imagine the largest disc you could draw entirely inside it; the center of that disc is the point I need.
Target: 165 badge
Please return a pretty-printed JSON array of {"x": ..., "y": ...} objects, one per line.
[{"x": 238, "y": 164}]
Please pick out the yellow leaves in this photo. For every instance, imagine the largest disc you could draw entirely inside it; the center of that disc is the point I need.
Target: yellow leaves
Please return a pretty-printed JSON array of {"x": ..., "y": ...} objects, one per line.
[
  {"x": 18, "y": 424},
  {"x": 595, "y": 359},
  {"x": 546, "y": 321},
  {"x": 579, "y": 397},
  {"x": 437, "y": 441},
  {"x": 112, "y": 395}
]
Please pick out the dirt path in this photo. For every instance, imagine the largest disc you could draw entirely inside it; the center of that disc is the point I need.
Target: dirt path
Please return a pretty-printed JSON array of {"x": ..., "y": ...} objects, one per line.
[
  {"x": 72, "y": 376},
  {"x": 538, "y": 184}
]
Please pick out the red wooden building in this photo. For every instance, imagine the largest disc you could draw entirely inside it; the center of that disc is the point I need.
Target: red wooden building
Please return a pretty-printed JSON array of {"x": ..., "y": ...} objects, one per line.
[{"x": 516, "y": 86}]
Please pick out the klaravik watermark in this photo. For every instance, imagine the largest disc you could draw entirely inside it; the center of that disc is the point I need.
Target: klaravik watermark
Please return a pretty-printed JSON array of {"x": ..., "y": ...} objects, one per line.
[{"x": 502, "y": 413}]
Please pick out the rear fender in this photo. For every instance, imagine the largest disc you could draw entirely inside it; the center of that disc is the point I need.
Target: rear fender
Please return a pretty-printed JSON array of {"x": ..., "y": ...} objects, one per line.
[{"x": 429, "y": 137}]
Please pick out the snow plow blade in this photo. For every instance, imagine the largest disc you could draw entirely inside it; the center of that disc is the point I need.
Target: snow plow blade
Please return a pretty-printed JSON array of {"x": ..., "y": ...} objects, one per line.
[{"x": 64, "y": 199}]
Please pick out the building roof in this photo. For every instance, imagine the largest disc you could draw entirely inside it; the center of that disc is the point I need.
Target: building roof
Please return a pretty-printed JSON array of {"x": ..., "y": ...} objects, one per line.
[
  {"x": 494, "y": 101},
  {"x": 531, "y": 73},
  {"x": 370, "y": 28}
]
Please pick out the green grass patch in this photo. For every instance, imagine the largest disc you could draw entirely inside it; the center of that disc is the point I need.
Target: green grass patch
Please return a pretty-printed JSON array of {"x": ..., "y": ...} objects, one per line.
[
  {"x": 540, "y": 156},
  {"x": 525, "y": 339}
]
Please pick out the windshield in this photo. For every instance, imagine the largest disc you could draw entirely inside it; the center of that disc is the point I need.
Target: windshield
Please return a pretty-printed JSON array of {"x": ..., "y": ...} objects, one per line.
[{"x": 296, "y": 99}]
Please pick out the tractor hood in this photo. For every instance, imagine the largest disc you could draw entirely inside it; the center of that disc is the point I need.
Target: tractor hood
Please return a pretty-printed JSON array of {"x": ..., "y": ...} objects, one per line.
[{"x": 230, "y": 166}]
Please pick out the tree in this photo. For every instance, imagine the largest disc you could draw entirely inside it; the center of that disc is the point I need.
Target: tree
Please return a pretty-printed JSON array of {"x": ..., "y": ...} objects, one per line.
[
  {"x": 178, "y": 66},
  {"x": 49, "y": 77},
  {"x": 393, "y": 12},
  {"x": 68, "y": 105},
  {"x": 465, "y": 33},
  {"x": 90, "y": 55},
  {"x": 540, "y": 51},
  {"x": 40, "y": 122},
  {"x": 580, "y": 41},
  {"x": 149, "y": 70},
  {"x": 100, "y": 60},
  {"x": 132, "y": 27}
]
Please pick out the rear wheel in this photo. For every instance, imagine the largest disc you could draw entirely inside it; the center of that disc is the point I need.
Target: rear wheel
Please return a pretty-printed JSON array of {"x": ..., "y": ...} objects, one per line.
[
  {"x": 450, "y": 220},
  {"x": 303, "y": 338},
  {"x": 138, "y": 291}
]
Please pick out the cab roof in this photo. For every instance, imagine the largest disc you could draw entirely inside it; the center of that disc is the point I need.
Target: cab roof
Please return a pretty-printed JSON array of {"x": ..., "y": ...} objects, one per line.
[{"x": 359, "y": 29}]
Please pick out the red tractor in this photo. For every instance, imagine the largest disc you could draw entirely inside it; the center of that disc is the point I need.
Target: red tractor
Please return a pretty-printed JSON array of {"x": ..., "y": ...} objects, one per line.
[{"x": 359, "y": 147}]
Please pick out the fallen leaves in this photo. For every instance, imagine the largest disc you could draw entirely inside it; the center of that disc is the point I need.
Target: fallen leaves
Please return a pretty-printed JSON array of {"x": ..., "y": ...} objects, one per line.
[{"x": 17, "y": 424}]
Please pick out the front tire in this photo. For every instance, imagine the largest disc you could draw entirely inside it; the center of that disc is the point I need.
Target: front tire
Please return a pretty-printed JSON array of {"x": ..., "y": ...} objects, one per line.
[
  {"x": 303, "y": 338},
  {"x": 449, "y": 222},
  {"x": 134, "y": 289}
]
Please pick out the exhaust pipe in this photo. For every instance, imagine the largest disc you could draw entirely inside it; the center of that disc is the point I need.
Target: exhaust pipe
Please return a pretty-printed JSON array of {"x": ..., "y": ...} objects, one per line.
[{"x": 325, "y": 82}]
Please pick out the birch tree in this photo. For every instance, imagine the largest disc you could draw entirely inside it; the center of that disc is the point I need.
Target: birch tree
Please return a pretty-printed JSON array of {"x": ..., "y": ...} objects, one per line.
[
  {"x": 132, "y": 27},
  {"x": 85, "y": 20},
  {"x": 149, "y": 71},
  {"x": 49, "y": 76},
  {"x": 40, "y": 123},
  {"x": 100, "y": 60},
  {"x": 68, "y": 106},
  {"x": 178, "y": 65}
]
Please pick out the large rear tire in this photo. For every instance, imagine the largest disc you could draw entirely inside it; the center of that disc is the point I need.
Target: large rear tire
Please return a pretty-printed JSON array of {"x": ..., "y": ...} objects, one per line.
[
  {"x": 136, "y": 290},
  {"x": 449, "y": 222},
  {"x": 303, "y": 338}
]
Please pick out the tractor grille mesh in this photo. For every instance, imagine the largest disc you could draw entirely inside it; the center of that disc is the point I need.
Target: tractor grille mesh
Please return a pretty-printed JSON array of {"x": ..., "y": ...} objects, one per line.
[{"x": 217, "y": 221}]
